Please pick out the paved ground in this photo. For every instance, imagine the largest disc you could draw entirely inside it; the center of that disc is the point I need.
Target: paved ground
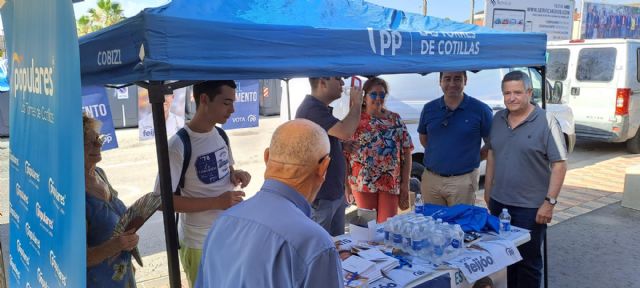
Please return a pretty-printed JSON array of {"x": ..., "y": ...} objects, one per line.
[
  {"x": 598, "y": 249},
  {"x": 595, "y": 180}
]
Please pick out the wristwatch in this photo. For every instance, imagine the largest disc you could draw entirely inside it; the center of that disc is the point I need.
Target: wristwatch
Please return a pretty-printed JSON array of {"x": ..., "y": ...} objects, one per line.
[{"x": 552, "y": 201}]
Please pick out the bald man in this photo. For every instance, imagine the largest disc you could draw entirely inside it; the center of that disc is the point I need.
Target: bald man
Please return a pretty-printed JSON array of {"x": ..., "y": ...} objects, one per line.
[{"x": 270, "y": 239}]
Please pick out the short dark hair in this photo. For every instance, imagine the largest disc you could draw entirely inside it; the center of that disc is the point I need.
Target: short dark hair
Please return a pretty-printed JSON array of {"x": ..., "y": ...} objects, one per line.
[
  {"x": 517, "y": 76},
  {"x": 212, "y": 88},
  {"x": 315, "y": 81},
  {"x": 465, "y": 74}
]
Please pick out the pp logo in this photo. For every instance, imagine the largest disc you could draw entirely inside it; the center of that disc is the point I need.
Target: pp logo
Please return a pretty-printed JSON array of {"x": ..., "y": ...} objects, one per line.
[
  {"x": 107, "y": 138},
  {"x": 252, "y": 118},
  {"x": 419, "y": 273},
  {"x": 388, "y": 40},
  {"x": 510, "y": 251}
]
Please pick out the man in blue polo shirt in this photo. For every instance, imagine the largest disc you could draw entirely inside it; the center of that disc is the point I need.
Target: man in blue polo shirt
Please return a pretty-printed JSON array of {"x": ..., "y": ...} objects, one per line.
[
  {"x": 329, "y": 205},
  {"x": 451, "y": 128}
]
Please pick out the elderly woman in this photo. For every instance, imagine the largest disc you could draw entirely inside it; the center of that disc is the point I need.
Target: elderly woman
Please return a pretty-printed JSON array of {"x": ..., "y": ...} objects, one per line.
[
  {"x": 380, "y": 160},
  {"x": 108, "y": 259}
]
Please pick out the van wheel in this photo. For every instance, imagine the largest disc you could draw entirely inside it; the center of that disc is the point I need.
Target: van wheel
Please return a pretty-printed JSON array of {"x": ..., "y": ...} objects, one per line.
[{"x": 633, "y": 144}]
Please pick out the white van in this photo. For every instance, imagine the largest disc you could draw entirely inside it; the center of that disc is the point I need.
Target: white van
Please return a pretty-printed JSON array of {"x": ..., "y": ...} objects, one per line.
[
  {"x": 409, "y": 92},
  {"x": 600, "y": 80}
]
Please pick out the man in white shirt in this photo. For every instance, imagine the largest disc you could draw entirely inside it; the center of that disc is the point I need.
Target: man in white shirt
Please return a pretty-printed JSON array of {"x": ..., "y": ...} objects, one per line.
[
  {"x": 210, "y": 179},
  {"x": 173, "y": 121}
]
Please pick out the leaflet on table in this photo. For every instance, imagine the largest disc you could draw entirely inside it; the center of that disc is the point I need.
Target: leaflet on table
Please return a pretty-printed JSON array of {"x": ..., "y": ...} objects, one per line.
[
  {"x": 344, "y": 242},
  {"x": 517, "y": 235},
  {"x": 476, "y": 263},
  {"x": 360, "y": 233},
  {"x": 406, "y": 275},
  {"x": 362, "y": 267}
]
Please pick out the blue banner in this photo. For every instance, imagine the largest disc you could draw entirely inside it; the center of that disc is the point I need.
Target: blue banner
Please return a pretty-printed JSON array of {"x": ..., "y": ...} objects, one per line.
[
  {"x": 96, "y": 104},
  {"x": 46, "y": 182},
  {"x": 247, "y": 106}
]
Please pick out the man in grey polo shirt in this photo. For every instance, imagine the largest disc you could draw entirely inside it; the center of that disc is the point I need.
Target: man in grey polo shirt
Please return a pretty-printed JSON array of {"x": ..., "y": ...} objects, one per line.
[{"x": 526, "y": 166}]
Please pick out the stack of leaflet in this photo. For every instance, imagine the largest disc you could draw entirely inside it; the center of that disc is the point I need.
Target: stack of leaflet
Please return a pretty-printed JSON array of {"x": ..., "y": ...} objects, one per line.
[
  {"x": 357, "y": 267},
  {"x": 369, "y": 264},
  {"x": 383, "y": 261}
]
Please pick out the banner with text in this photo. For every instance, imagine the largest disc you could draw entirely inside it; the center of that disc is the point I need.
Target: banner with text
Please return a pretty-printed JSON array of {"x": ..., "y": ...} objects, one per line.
[
  {"x": 609, "y": 21},
  {"x": 493, "y": 256},
  {"x": 553, "y": 17},
  {"x": 96, "y": 104},
  {"x": 46, "y": 166},
  {"x": 247, "y": 106}
]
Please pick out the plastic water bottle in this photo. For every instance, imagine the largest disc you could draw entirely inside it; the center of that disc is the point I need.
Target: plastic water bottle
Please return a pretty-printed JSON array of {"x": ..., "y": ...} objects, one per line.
[
  {"x": 457, "y": 241},
  {"x": 388, "y": 231},
  {"x": 427, "y": 249},
  {"x": 505, "y": 221},
  {"x": 438, "y": 242},
  {"x": 419, "y": 204},
  {"x": 418, "y": 235},
  {"x": 397, "y": 233},
  {"x": 406, "y": 233}
]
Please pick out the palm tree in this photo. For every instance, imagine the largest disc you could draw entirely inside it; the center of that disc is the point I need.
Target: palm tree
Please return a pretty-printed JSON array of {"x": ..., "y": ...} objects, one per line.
[
  {"x": 105, "y": 14},
  {"x": 84, "y": 25}
]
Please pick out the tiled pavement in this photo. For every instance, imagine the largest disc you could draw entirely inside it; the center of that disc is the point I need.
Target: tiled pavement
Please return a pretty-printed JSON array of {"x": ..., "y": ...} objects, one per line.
[
  {"x": 585, "y": 189},
  {"x": 588, "y": 188}
]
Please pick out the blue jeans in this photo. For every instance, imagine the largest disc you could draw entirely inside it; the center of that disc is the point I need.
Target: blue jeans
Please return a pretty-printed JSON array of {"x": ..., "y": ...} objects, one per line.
[
  {"x": 329, "y": 214},
  {"x": 527, "y": 272}
]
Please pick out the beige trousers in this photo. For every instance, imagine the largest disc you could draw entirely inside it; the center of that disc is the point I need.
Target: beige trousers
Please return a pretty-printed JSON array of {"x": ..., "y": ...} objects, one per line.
[{"x": 449, "y": 191}]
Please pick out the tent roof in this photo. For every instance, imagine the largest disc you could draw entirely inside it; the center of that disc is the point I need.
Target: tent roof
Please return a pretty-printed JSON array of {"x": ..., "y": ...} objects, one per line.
[{"x": 265, "y": 39}]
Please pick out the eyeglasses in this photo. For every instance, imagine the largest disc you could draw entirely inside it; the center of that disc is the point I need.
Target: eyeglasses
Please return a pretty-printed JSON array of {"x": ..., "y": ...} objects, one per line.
[
  {"x": 445, "y": 121},
  {"x": 375, "y": 95},
  {"x": 99, "y": 139}
]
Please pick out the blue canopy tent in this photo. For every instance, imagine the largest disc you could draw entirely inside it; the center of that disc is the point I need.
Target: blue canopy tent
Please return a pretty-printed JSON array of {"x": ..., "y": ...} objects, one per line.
[{"x": 267, "y": 39}]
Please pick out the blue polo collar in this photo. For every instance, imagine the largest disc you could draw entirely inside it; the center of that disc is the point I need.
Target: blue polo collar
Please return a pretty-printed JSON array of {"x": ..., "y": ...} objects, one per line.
[
  {"x": 463, "y": 104},
  {"x": 285, "y": 191}
]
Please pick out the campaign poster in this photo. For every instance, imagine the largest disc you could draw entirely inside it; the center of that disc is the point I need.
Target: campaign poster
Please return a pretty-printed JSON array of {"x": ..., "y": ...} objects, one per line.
[
  {"x": 174, "y": 108},
  {"x": 46, "y": 162},
  {"x": 247, "y": 106},
  {"x": 96, "y": 105},
  {"x": 601, "y": 21},
  {"x": 553, "y": 17}
]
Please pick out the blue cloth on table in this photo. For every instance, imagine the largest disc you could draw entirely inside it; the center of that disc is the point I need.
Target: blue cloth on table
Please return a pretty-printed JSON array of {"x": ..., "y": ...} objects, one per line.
[{"x": 469, "y": 217}]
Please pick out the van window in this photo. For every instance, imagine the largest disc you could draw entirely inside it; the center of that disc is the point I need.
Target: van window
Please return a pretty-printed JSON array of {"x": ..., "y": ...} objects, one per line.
[
  {"x": 596, "y": 64},
  {"x": 557, "y": 64}
]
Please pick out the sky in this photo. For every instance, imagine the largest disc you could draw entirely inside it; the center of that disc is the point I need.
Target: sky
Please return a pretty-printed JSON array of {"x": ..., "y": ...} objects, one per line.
[{"x": 438, "y": 8}]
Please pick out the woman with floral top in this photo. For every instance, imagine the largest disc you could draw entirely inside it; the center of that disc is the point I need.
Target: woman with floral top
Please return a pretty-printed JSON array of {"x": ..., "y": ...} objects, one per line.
[{"x": 380, "y": 159}]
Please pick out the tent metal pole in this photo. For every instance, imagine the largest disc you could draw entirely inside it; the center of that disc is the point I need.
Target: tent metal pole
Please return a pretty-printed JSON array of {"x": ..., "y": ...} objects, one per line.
[
  {"x": 157, "y": 90},
  {"x": 543, "y": 72},
  {"x": 288, "y": 99},
  {"x": 473, "y": 4}
]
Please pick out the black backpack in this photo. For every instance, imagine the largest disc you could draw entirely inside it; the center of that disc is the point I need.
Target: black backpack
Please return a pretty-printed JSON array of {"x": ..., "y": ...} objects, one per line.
[{"x": 186, "y": 143}]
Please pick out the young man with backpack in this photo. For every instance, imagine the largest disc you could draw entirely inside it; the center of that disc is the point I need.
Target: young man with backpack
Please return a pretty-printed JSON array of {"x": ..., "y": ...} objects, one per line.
[{"x": 202, "y": 172}]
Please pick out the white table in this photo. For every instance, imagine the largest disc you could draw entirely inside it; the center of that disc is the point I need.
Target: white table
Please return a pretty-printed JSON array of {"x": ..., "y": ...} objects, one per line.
[{"x": 518, "y": 236}]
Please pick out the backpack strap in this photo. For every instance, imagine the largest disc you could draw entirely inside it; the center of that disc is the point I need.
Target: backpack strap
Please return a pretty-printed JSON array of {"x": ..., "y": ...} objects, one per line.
[
  {"x": 186, "y": 144},
  {"x": 224, "y": 136}
]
